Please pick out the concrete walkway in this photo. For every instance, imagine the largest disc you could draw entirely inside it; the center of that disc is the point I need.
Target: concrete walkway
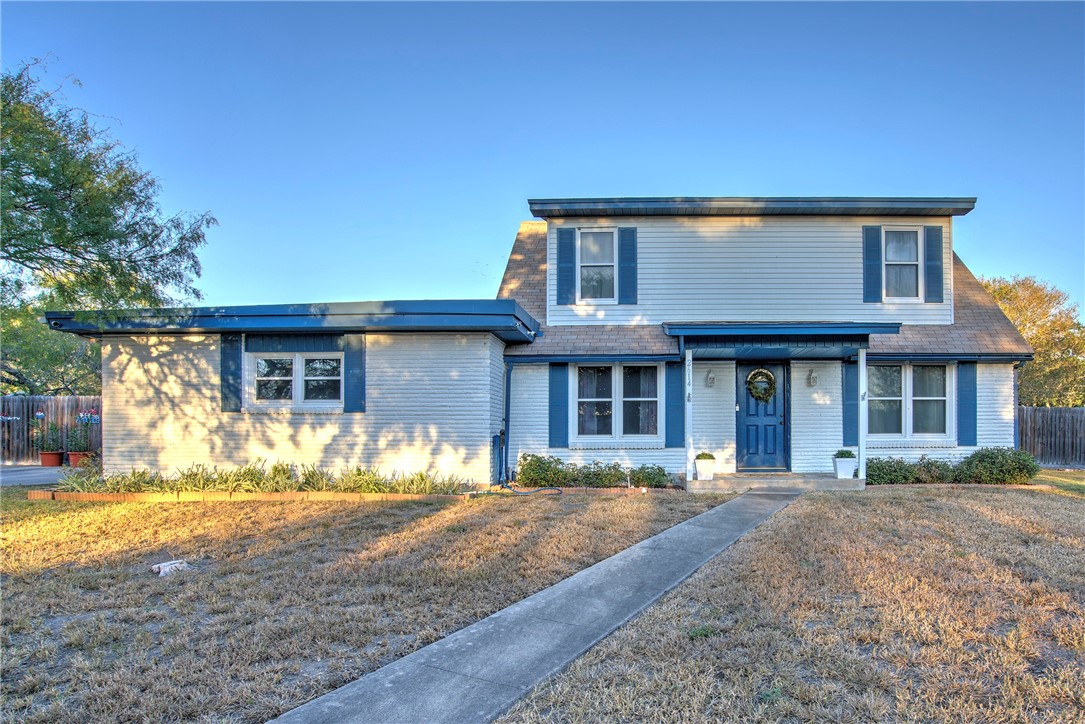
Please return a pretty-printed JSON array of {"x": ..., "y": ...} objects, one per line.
[
  {"x": 477, "y": 673},
  {"x": 30, "y": 475}
]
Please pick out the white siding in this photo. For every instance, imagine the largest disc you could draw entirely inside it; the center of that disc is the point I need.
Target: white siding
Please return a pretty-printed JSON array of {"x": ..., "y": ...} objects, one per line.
[
  {"x": 530, "y": 432},
  {"x": 753, "y": 268},
  {"x": 817, "y": 415},
  {"x": 714, "y": 412},
  {"x": 994, "y": 420},
  {"x": 428, "y": 407}
]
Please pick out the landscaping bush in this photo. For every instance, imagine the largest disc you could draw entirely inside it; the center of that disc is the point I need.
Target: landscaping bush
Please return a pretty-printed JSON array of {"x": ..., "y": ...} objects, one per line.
[
  {"x": 254, "y": 478},
  {"x": 538, "y": 471},
  {"x": 889, "y": 471},
  {"x": 996, "y": 466},
  {"x": 988, "y": 466}
]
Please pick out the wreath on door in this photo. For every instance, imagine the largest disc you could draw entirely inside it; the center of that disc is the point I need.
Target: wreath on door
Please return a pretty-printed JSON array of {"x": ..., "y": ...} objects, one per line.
[{"x": 761, "y": 384}]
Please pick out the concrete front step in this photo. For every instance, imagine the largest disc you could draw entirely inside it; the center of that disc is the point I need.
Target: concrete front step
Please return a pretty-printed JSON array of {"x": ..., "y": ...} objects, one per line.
[{"x": 773, "y": 482}]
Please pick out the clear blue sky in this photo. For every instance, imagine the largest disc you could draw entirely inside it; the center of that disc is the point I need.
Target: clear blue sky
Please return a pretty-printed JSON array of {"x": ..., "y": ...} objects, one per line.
[{"x": 374, "y": 151}]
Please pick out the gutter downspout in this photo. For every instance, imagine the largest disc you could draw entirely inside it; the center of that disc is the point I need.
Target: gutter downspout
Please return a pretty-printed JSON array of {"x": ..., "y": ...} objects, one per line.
[
  {"x": 863, "y": 408},
  {"x": 503, "y": 474}
]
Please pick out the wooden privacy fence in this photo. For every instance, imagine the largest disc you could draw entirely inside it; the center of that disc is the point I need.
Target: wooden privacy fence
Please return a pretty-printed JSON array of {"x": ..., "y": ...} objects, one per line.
[
  {"x": 1054, "y": 435},
  {"x": 17, "y": 415}
]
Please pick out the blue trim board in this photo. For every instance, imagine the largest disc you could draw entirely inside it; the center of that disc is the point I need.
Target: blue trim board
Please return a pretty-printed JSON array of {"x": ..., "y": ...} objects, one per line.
[
  {"x": 753, "y": 206},
  {"x": 722, "y": 329},
  {"x": 502, "y": 317},
  {"x": 588, "y": 358},
  {"x": 949, "y": 357}
]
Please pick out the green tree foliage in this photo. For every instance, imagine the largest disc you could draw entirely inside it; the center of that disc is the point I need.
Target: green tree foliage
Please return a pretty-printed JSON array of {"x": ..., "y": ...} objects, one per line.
[
  {"x": 1049, "y": 322},
  {"x": 82, "y": 229}
]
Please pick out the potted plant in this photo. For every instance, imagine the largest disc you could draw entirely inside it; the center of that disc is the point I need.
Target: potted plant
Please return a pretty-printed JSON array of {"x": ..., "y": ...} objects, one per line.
[
  {"x": 47, "y": 440},
  {"x": 78, "y": 445},
  {"x": 706, "y": 465},
  {"x": 844, "y": 463}
]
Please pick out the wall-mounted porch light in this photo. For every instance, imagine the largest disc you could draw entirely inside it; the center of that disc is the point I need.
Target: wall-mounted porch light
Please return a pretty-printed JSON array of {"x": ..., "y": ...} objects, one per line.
[{"x": 812, "y": 379}]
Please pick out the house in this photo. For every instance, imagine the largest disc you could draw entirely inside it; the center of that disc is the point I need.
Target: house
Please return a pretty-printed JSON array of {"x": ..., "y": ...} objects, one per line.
[{"x": 770, "y": 332}]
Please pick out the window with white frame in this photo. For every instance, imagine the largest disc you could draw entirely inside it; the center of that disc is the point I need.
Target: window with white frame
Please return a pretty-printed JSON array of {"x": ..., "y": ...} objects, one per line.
[
  {"x": 617, "y": 401},
  {"x": 295, "y": 380},
  {"x": 902, "y": 264},
  {"x": 909, "y": 400},
  {"x": 596, "y": 269}
]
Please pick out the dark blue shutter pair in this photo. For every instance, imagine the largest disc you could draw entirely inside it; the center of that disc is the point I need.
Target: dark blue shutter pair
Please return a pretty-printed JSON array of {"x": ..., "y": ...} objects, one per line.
[
  {"x": 966, "y": 403},
  {"x": 351, "y": 345},
  {"x": 627, "y": 266},
  {"x": 674, "y": 415},
  {"x": 932, "y": 265}
]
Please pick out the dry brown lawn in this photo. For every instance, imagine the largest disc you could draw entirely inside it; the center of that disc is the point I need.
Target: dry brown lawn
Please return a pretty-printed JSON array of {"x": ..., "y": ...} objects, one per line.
[
  {"x": 905, "y": 604},
  {"x": 286, "y": 601}
]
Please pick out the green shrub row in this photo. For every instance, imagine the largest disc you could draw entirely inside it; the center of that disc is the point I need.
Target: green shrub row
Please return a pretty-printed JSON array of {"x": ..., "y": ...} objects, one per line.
[
  {"x": 256, "y": 478},
  {"x": 989, "y": 466},
  {"x": 537, "y": 471}
]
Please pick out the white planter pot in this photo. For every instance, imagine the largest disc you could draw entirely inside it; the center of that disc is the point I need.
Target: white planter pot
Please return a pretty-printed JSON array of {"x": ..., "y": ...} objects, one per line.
[
  {"x": 705, "y": 469},
  {"x": 845, "y": 467}
]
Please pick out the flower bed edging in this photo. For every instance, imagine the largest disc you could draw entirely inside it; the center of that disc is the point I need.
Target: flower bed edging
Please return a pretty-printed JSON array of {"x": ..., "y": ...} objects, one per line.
[{"x": 191, "y": 496}]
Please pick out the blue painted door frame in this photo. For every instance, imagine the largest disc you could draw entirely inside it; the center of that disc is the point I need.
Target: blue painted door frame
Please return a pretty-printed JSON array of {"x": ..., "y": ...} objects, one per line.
[{"x": 763, "y": 428}]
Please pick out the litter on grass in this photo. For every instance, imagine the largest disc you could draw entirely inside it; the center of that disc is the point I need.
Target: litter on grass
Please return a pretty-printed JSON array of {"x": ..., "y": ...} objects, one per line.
[{"x": 170, "y": 567}]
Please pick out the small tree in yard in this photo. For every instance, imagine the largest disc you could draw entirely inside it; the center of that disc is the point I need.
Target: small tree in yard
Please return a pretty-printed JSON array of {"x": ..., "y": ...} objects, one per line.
[
  {"x": 1048, "y": 321},
  {"x": 81, "y": 228}
]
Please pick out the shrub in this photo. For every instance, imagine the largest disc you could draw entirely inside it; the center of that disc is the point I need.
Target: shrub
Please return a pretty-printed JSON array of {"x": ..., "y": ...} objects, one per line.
[
  {"x": 649, "y": 476},
  {"x": 842, "y": 453},
  {"x": 996, "y": 466},
  {"x": 705, "y": 456},
  {"x": 889, "y": 471},
  {"x": 930, "y": 471},
  {"x": 537, "y": 471}
]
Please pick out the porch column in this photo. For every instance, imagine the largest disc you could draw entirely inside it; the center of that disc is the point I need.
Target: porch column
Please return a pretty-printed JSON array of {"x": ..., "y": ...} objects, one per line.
[
  {"x": 862, "y": 413},
  {"x": 689, "y": 416}
]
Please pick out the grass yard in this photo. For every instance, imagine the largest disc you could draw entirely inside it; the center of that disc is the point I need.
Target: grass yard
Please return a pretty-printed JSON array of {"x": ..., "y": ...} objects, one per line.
[
  {"x": 286, "y": 600},
  {"x": 895, "y": 604}
]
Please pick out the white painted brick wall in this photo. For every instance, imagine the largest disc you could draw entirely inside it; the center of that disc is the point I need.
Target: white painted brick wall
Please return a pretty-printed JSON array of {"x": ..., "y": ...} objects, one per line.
[{"x": 428, "y": 407}]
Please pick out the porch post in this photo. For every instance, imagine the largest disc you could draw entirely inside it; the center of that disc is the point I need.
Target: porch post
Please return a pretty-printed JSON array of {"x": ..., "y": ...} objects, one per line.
[
  {"x": 862, "y": 413},
  {"x": 689, "y": 415}
]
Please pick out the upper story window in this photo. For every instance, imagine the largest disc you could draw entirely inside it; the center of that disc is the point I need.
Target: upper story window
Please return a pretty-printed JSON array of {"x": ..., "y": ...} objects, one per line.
[
  {"x": 596, "y": 278},
  {"x": 617, "y": 401},
  {"x": 295, "y": 381},
  {"x": 903, "y": 279},
  {"x": 912, "y": 398}
]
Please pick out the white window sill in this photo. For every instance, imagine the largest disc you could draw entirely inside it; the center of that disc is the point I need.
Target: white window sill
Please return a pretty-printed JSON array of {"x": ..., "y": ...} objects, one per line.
[
  {"x": 292, "y": 410},
  {"x": 616, "y": 444},
  {"x": 910, "y": 442}
]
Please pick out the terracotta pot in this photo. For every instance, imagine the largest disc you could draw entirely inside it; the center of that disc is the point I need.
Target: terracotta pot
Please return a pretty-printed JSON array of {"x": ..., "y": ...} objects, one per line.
[
  {"x": 75, "y": 459},
  {"x": 51, "y": 459}
]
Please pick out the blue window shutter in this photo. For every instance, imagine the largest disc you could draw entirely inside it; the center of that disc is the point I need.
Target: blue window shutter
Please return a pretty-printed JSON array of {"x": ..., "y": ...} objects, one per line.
[
  {"x": 932, "y": 263},
  {"x": 559, "y": 404},
  {"x": 230, "y": 372},
  {"x": 966, "y": 403},
  {"x": 872, "y": 264},
  {"x": 566, "y": 266},
  {"x": 675, "y": 418},
  {"x": 851, "y": 403},
  {"x": 353, "y": 372},
  {"x": 627, "y": 266}
]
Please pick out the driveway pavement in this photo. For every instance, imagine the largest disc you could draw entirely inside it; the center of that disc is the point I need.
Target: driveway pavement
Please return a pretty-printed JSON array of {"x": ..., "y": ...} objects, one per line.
[
  {"x": 477, "y": 673},
  {"x": 30, "y": 475}
]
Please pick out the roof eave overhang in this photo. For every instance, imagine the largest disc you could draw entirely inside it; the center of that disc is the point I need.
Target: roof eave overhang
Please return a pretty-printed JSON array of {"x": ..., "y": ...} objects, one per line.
[
  {"x": 503, "y": 317},
  {"x": 702, "y": 329},
  {"x": 752, "y": 206}
]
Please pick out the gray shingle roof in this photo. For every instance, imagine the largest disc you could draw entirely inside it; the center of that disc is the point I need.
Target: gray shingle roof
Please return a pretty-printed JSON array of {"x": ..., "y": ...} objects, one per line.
[{"x": 979, "y": 326}]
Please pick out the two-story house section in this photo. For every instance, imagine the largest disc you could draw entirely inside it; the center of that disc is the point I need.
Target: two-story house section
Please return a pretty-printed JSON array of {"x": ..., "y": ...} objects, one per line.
[{"x": 770, "y": 332}]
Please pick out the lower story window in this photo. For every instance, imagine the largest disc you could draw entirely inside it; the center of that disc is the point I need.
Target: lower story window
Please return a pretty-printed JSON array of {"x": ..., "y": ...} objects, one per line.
[
  {"x": 632, "y": 390},
  {"x": 908, "y": 400},
  {"x": 296, "y": 379}
]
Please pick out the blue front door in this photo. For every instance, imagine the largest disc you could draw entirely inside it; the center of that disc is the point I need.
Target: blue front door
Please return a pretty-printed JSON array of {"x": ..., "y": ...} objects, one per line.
[{"x": 762, "y": 426}]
